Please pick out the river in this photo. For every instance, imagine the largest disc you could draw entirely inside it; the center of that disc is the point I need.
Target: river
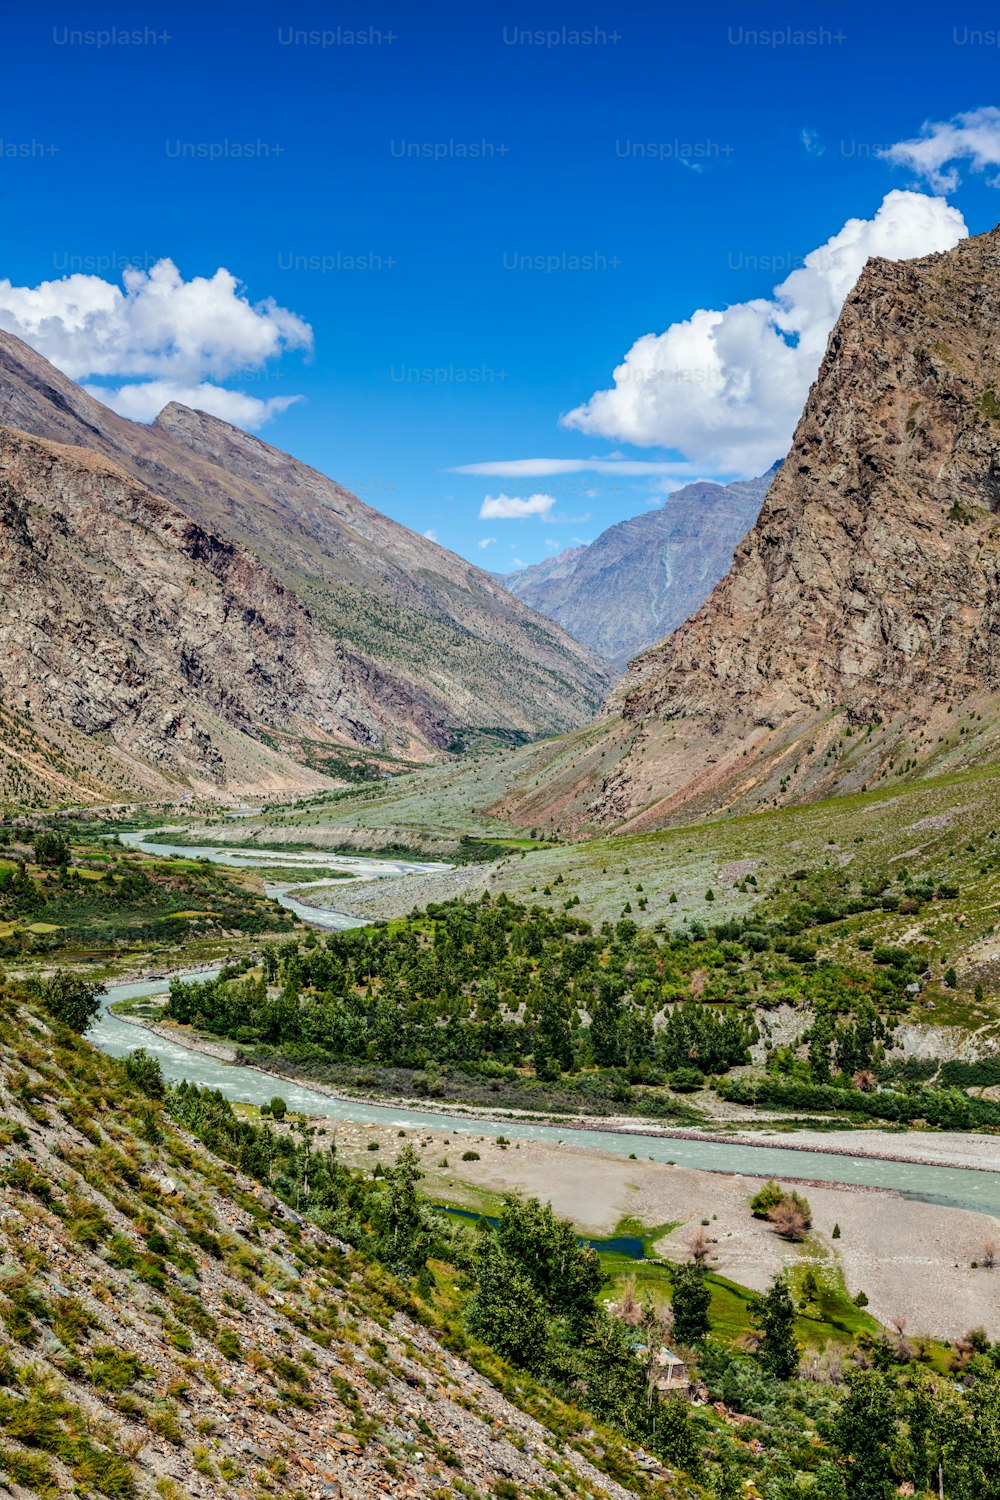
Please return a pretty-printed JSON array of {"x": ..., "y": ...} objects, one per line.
[
  {"x": 952, "y": 1187},
  {"x": 355, "y": 867}
]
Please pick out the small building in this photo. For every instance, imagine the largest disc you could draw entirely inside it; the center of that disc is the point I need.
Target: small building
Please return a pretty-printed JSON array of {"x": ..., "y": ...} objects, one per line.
[{"x": 673, "y": 1372}]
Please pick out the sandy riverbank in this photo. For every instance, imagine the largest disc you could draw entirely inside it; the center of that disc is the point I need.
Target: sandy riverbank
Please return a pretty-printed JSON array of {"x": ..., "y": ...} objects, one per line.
[
  {"x": 911, "y": 1259},
  {"x": 931, "y": 1148}
]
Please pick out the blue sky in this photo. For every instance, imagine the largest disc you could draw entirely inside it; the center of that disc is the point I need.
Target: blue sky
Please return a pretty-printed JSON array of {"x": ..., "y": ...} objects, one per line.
[{"x": 472, "y": 226}]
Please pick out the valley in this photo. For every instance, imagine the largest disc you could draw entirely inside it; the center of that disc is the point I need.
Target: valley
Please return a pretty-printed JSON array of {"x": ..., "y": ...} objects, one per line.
[{"x": 415, "y": 1048}]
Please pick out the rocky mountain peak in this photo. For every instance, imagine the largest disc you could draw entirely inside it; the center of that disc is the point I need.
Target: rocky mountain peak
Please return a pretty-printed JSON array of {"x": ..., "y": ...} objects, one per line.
[{"x": 860, "y": 617}]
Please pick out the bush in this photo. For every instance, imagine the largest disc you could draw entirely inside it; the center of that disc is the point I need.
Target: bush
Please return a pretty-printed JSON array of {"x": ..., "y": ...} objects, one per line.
[
  {"x": 72, "y": 1000},
  {"x": 470, "y": 1156},
  {"x": 769, "y": 1196},
  {"x": 685, "y": 1080},
  {"x": 143, "y": 1071}
]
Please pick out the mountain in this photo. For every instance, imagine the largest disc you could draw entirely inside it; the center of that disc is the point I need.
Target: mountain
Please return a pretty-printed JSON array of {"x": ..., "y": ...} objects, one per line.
[
  {"x": 856, "y": 639},
  {"x": 186, "y": 605},
  {"x": 644, "y": 576},
  {"x": 170, "y": 1328}
]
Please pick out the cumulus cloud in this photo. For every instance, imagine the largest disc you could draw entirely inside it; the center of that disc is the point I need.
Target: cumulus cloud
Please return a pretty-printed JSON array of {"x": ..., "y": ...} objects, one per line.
[
  {"x": 725, "y": 388},
  {"x": 144, "y": 400},
  {"x": 167, "y": 338},
  {"x": 486, "y": 541},
  {"x": 514, "y": 508},
  {"x": 541, "y": 468},
  {"x": 972, "y": 137}
]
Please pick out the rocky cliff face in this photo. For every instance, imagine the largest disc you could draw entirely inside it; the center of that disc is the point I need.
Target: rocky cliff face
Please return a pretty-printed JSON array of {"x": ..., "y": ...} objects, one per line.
[
  {"x": 206, "y": 605},
  {"x": 643, "y": 577},
  {"x": 855, "y": 638}
]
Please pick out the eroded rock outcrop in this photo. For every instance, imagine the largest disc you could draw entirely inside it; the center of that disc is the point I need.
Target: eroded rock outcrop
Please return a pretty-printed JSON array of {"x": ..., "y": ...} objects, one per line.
[{"x": 855, "y": 636}]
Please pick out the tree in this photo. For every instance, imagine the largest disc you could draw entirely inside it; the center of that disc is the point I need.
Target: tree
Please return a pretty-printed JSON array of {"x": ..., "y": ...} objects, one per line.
[
  {"x": 865, "y": 1432},
  {"x": 774, "y": 1314},
  {"x": 72, "y": 1000},
  {"x": 50, "y": 848},
  {"x": 699, "y": 1246},
  {"x": 690, "y": 1301},
  {"x": 677, "y": 1437},
  {"x": 278, "y": 1108},
  {"x": 546, "y": 1249},
  {"x": 505, "y": 1310},
  {"x": 789, "y": 1218},
  {"x": 403, "y": 1234}
]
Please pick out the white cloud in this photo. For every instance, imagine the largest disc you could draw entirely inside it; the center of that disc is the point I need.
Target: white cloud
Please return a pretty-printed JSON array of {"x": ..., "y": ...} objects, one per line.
[
  {"x": 725, "y": 388},
  {"x": 972, "y": 137},
  {"x": 143, "y": 401},
  {"x": 540, "y": 468},
  {"x": 513, "y": 508},
  {"x": 431, "y": 535},
  {"x": 486, "y": 541},
  {"x": 174, "y": 338}
]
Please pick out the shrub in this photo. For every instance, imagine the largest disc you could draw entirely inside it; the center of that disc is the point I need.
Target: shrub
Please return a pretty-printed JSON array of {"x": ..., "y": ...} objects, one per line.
[
  {"x": 470, "y": 1156},
  {"x": 685, "y": 1080},
  {"x": 769, "y": 1196},
  {"x": 143, "y": 1071},
  {"x": 72, "y": 1000}
]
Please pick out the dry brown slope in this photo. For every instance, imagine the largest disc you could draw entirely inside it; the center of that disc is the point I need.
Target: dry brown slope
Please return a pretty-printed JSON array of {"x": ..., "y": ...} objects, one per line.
[
  {"x": 856, "y": 633},
  {"x": 134, "y": 629},
  {"x": 457, "y": 651}
]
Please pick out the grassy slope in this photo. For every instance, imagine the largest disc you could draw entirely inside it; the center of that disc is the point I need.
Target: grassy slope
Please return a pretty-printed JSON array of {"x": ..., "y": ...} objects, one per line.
[
  {"x": 167, "y": 1328},
  {"x": 940, "y": 826}
]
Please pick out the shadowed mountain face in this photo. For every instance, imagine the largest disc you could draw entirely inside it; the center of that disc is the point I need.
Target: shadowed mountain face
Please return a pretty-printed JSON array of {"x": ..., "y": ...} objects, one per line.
[
  {"x": 215, "y": 610},
  {"x": 857, "y": 637},
  {"x": 642, "y": 578}
]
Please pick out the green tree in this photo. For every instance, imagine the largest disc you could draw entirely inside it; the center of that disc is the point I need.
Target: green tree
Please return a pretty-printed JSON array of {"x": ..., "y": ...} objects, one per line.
[
  {"x": 278, "y": 1107},
  {"x": 768, "y": 1197},
  {"x": 400, "y": 1220},
  {"x": 71, "y": 999},
  {"x": 50, "y": 848},
  {"x": 774, "y": 1314},
  {"x": 566, "y": 1274},
  {"x": 690, "y": 1300},
  {"x": 865, "y": 1433},
  {"x": 505, "y": 1310},
  {"x": 678, "y": 1440}
]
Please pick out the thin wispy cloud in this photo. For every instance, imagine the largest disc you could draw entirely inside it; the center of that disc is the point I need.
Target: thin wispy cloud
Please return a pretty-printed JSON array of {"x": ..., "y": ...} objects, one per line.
[
  {"x": 971, "y": 139},
  {"x": 539, "y": 468}
]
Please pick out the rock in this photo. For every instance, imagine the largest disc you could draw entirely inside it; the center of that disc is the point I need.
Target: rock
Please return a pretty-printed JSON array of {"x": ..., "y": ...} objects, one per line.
[{"x": 864, "y": 599}]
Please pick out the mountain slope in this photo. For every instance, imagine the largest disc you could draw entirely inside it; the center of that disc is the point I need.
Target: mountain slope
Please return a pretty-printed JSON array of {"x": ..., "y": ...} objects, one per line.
[
  {"x": 856, "y": 637},
  {"x": 389, "y": 643},
  {"x": 168, "y": 1327},
  {"x": 643, "y": 577}
]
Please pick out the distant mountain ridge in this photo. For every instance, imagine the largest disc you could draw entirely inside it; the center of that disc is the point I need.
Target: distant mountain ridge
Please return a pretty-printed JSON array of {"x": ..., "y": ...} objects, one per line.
[
  {"x": 646, "y": 575},
  {"x": 184, "y": 601}
]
